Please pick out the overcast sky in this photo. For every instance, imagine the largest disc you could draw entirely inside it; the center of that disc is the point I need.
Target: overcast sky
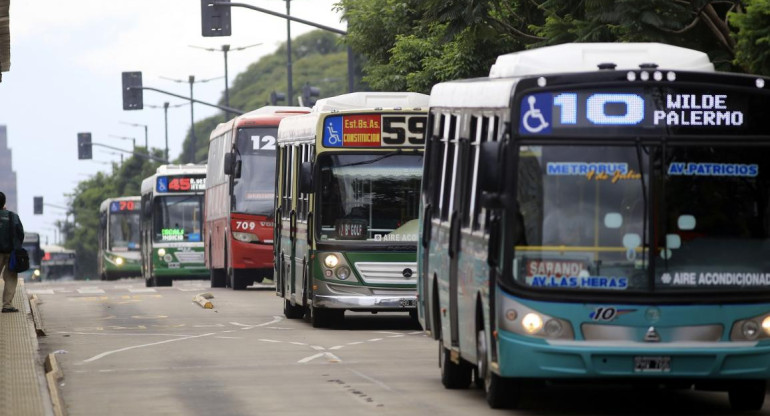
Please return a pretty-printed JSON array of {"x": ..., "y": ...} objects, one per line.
[{"x": 65, "y": 77}]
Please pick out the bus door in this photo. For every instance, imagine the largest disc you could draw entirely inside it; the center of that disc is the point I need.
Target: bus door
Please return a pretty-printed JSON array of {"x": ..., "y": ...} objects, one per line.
[{"x": 450, "y": 213}]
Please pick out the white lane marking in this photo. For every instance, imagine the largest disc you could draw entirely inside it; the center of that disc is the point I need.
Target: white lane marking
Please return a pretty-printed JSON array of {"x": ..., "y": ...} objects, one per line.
[
  {"x": 336, "y": 347},
  {"x": 332, "y": 358},
  {"x": 142, "y": 290},
  {"x": 221, "y": 337},
  {"x": 396, "y": 336},
  {"x": 125, "y": 334},
  {"x": 209, "y": 326},
  {"x": 269, "y": 340},
  {"x": 297, "y": 343},
  {"x": 104, "y": 354},
  {"x": 317, "y": 347},
  {"x": 90, "y": 290},
  {"x": 374, "y": 340},
  {"x": 355, "y": 343},
  {"x": 416, "y": 333},
  {"x": 386, "y": 332},
  {"x": 276, "y": 319},
  {"x": 375, "y": 381},
  {"x": 41, "y": 291}
]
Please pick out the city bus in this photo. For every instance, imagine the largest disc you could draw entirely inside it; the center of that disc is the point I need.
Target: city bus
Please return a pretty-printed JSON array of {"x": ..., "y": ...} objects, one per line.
[
  {"x": 172, "y": 224},
  {"x": 347, "y": 194},
  {"x": 240, "y": 179},
  {"x": 32, "y": 245},
  {"x": 119, "y": 239},
  {"x": 599, "y": 212},
  {"x": 58, "y": 263}
]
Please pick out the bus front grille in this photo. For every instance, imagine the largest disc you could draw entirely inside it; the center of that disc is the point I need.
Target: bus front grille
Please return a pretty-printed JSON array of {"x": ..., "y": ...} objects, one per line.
[{"x": 403, "y": 273}]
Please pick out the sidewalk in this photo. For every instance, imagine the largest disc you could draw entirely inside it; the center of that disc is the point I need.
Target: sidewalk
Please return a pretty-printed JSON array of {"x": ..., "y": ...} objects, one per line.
[{"x": 22, "y": 376}]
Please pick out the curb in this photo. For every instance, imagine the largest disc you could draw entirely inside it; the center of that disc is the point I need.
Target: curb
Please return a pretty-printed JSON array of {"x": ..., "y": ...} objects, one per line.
[
  {"x": 203, "y": 300},
  {"x": 53, "y": 375},
  {"x": 36, "y": 317}
]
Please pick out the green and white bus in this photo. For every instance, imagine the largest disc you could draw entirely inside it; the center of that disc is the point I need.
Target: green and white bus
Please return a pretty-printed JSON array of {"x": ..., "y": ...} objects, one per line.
[
  {"x": 599, "y": 212},
  {"x": 172, "y": 224},
  {"x": 347, "y": 193},
  {"x": 119, "y": 238}
]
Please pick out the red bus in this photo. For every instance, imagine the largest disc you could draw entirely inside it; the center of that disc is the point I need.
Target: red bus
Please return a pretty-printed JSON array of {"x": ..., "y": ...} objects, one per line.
[{"x": 240, "y": 189}]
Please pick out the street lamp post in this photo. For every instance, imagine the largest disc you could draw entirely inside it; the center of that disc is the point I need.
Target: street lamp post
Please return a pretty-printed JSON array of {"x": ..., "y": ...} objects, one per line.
[
  {"x": 146, "y": 141},
  {"x": 165, "y": 108},
  {"x": 191, "y": 80},
  {"x": 225, "y": 49},
  {"x": 133, "y": 139}
]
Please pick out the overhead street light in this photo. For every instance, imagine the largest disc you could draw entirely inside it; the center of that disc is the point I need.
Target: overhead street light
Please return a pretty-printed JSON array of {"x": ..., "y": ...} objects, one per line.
[
  {"x": 225, "y": 49},
  {"x": 146, "y": 141},
  {"x": 191, "y": 80},
  {"x": 165, "y": 107},
  {"x": 133, "y": 139}
]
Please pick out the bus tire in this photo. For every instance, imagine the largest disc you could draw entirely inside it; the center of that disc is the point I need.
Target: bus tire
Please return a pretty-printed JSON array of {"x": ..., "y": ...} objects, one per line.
[
  {"x": 240, "y": 279},
  {"x": 501, "y": 392},
  {"x": 748, "y": 395},
  {"x": 292, "y": 311},
  {"x": 217, "y": 276},
  {"x": 453, "y": 375}
]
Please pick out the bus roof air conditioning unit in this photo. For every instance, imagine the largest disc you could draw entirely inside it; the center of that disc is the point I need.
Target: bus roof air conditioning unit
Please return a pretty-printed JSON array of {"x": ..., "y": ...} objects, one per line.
[
  {"x": 370, "y": 100},
  {"x": 584, "y": 57}
]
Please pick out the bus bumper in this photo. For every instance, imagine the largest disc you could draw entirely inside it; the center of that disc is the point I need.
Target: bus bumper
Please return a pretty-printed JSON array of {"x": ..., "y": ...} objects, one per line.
[
  {"x": 524, "y": 357},
  {"x": 251, "y": 255},
  {"x": 366, "y": 303}
]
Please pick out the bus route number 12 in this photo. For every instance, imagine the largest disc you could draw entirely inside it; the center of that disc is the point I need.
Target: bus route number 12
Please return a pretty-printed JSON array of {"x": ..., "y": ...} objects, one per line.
[{"x": 263, "y": 142}]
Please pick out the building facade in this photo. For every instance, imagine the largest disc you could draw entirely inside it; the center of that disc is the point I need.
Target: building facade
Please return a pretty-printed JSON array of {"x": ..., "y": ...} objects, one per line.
[{"x": 7, "y": 175}]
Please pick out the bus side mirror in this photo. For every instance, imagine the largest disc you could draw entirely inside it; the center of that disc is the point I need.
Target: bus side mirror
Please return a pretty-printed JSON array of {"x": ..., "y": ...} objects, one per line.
[
  {"x": 306, "y": 178},
  {"x": 229, "y": 163}
]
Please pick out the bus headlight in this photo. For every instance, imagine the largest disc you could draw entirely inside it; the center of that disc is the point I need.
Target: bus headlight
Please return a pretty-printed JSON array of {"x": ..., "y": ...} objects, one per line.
[
  {"x": 343, "y": 272},
  {"x": 245, "y": 237},
  {"x": 119, "y": 261},
  {"x": 36, "y": 272},
  {"x": 532, "y": 323},
  {"x": 523, "y": 320},
  {"x": 161, "y": 252},
  {"x": 331, "y": 261},
  {"x": 751, "y": 329}
]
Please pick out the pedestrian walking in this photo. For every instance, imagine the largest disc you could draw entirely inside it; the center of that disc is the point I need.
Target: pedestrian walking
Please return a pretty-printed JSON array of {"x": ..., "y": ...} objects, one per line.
[{"x": 11, "y": 238}]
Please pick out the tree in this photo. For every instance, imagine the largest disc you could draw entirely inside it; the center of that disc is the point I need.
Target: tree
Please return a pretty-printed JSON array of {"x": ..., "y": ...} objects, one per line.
[{"x": 410, "y": 45}]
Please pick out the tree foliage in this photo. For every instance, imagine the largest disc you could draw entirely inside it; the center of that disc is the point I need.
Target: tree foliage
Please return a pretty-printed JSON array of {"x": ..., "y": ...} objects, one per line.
[{"x": 410, "y": 45}]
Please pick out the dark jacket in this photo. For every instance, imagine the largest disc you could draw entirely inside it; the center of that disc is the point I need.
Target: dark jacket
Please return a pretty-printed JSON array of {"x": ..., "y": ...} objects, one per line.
[{"x": 10, "y": 230}]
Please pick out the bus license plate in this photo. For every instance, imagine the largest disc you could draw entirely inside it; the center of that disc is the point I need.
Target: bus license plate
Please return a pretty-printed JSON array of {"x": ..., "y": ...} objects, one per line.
[
  {"x": 406, "y": 303},
  {"x": 652, "y": 364}
]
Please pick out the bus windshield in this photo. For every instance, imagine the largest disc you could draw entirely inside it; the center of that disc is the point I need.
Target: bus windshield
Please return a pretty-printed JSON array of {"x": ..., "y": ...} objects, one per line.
[
  {"x": 369, "y": 197},
  {"x": 253, "y": 192},
  {"x": 583, "y": 218},
  {"x": 124, "y": 231},
  {"x": 178, "y": 218}
]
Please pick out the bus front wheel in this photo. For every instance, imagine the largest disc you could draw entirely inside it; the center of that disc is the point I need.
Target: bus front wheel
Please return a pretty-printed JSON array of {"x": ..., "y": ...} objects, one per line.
[
  {"x": 501, "y": 392},
  {"x": 453, "y": 375},
  {"x": 292, "y": 311},
  {"x": 747, "y": 395}
]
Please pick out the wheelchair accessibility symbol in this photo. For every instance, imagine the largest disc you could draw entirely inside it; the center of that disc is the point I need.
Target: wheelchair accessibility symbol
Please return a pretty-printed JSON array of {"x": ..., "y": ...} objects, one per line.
[
  {"x": 536, "y": 114},
  {"x": 333, "y": 132}
]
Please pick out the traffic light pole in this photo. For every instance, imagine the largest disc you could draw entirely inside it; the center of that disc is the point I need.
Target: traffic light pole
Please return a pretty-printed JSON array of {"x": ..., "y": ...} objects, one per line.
[
  {"x": 298, "y": 20},
  {"x": 221, "y": 107},
  {"x": 147, "y": 155}
]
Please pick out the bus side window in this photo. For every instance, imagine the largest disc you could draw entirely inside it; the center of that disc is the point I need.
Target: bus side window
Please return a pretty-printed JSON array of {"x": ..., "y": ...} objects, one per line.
[{"x": 447, "y": 177}]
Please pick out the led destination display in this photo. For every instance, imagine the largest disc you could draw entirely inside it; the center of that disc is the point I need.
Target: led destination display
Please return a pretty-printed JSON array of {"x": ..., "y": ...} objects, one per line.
[{"x": 642, "y": 111}]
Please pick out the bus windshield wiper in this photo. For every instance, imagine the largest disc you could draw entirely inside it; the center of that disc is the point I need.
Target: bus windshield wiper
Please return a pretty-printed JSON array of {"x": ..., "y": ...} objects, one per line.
[{"x": 639, "y": 163}]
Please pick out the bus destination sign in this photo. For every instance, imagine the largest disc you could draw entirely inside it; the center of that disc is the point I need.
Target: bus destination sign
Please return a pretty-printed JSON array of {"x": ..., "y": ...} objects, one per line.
[
  {"x": 192, "y": 183},
  {"x": 650, "y": 111},
  {"x": 122, "y": 206},
  {"x": 374, "y": 130}
]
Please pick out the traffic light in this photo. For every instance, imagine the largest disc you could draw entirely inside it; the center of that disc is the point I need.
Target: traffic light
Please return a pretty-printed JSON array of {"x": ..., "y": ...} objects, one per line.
[
  {"x": 215, "y": 20},
  {"x": 277, "y": 96},
  {"x": 132, "y": 91},
  {"x": 38, "y": 205},
  {"x": 84, "y": 146},
  {"x": 308, "y": 93}
]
